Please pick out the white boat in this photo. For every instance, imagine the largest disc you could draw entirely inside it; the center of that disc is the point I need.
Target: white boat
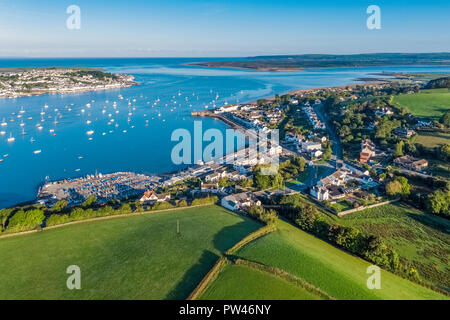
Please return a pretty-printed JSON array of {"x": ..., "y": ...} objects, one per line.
[
  {"x": 90, "y": 132},
  {"x": 4, "y": 123},
  {"x": 11, "y": 138},
  {"x": 37, "y": 151},
  {"x": 88, "y": 122},
  {"x": 21, "y": 110},
  {"x": 2, "y": 133}
]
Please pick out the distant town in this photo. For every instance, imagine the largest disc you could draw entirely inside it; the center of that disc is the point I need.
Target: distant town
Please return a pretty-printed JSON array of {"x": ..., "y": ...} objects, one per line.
[{"x": 19, "y": 82}]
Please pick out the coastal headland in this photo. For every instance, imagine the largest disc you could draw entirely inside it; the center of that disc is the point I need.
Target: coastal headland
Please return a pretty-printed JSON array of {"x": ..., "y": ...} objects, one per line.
[{"x": 18, "y": 82}]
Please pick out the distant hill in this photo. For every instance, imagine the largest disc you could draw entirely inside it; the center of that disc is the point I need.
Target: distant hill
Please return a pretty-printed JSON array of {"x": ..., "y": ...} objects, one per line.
[
  {"x": 290, "y": 62},
  {"x": 439, "y": 83}
]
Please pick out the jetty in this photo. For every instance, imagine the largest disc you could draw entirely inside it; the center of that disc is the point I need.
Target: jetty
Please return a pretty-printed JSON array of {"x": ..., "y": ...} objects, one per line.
[{"x": 211, "y": 114}]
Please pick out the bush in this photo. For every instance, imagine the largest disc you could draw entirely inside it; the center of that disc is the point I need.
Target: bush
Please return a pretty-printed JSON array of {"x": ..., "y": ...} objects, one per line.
[
  {"x": 162, "y": 205},
  {"x": 205, "y": 201},
  {"x": 26, "y": 220},
  {"x": 263, "y": 215},
  {"x": 56, "y": 219},
  {"x": 182, "y": 203}
]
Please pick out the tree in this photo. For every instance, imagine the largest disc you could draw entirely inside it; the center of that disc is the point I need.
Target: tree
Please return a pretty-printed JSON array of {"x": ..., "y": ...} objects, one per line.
[
  {"x": 399, "y": 186},
  {"x": 246, "y": 183},
  {"x": 327, "y": 152},
  {"x": 405, "y": 185},
  {"x": 307, "y": 216},
  {"x": 445, "y": 119},
  {"x": 89, "y": 201},
  {"x": 444, "y": 152},
  {"x": 26, "y": 220},
  {"x": 393, "y": 188},
  {"x": 439, "y": 202},
  {"x": 398, "y": 149},
  {"x": 60, "y": 205},
  {"x": 4, "y": 215}
]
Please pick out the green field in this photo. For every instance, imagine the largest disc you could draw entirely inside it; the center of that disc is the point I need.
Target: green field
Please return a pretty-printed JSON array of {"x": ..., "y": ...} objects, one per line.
[
  {"x": 335, "y": 272},
  {"x": 426, "y": 103},
  {"x": 421, "y": 239},
  {"x": 433, "y": 139},
  {"x": 136, "y": 257},
  {"x": 238, "y": 282}
]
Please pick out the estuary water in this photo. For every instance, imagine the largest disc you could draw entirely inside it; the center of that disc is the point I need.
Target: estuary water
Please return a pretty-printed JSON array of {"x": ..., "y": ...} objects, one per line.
[{"x": 129, "y": 129}]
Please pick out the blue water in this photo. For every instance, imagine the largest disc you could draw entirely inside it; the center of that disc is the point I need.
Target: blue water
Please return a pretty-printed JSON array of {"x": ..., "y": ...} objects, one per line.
[{"x": 146, "y": 149}]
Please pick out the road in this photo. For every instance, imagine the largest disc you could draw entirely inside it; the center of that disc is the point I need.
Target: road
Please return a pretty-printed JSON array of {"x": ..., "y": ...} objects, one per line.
[{"x": 337, "y": 147}]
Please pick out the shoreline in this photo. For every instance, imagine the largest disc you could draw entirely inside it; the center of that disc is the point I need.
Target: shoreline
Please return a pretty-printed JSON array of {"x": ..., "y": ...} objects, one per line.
[
  {"x": 66, "y": 92},
  {"x": 59, "y": 80},
  {"x": 306, "y": 90},
  {"x": 300, "y": 69}
]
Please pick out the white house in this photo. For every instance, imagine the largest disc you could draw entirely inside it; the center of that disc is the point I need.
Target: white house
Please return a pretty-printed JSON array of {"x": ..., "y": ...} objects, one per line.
[
  {"x": 320, "y": 193},
  {"x": 316, "y": 153},
  {"x": 240, "y": 201},
  {"x": 150, "y": 196},
  {"x": 310, "y": 146}
]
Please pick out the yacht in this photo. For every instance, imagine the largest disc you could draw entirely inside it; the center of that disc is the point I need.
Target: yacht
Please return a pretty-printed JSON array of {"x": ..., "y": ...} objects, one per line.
[{"x": 11, "y": 138}]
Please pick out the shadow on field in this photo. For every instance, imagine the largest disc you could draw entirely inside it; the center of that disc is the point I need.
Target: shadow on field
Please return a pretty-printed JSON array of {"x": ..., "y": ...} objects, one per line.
[
  {"x": 435, "y": 222},
  {"x": 193, "y": 276},
  {"x": 223, "y": 240},
  {"x": 230, "y": 235}
]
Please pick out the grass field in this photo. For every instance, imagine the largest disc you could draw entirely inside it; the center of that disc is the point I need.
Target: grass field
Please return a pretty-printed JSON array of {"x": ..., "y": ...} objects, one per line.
[
  {"x": 433, "y": 139},
  {"x": 422, "y": 239},
  {"x": 426, "y": 103},
  {"x": 136, "y": 257},
  {"x": 339, "y": 274},
  {"x": 238, "y": 282}
]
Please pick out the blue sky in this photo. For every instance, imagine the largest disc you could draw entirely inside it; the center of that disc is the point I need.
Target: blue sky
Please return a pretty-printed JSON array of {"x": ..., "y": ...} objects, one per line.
[{"x": 187, "y": 28}]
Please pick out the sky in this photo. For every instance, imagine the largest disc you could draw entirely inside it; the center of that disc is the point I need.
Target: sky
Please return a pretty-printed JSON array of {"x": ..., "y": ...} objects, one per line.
[{"x": 233, "y": 28}]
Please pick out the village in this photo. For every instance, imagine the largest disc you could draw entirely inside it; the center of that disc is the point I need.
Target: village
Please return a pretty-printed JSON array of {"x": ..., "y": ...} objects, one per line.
[
  {"x": 18, "y": 82},
  {"x": 335, "y": 183}
]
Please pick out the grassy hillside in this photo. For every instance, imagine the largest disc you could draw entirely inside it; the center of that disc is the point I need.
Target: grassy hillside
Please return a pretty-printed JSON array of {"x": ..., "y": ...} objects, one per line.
[
  {"x": 421, "y": 239},
  {"x": 238, "y": 282},
  {"x": 335, "y": 272},
  {"x": 136, "y": 257},
  {"x": 433, "y": 139},
  {"x": 426, "y": 103}
]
